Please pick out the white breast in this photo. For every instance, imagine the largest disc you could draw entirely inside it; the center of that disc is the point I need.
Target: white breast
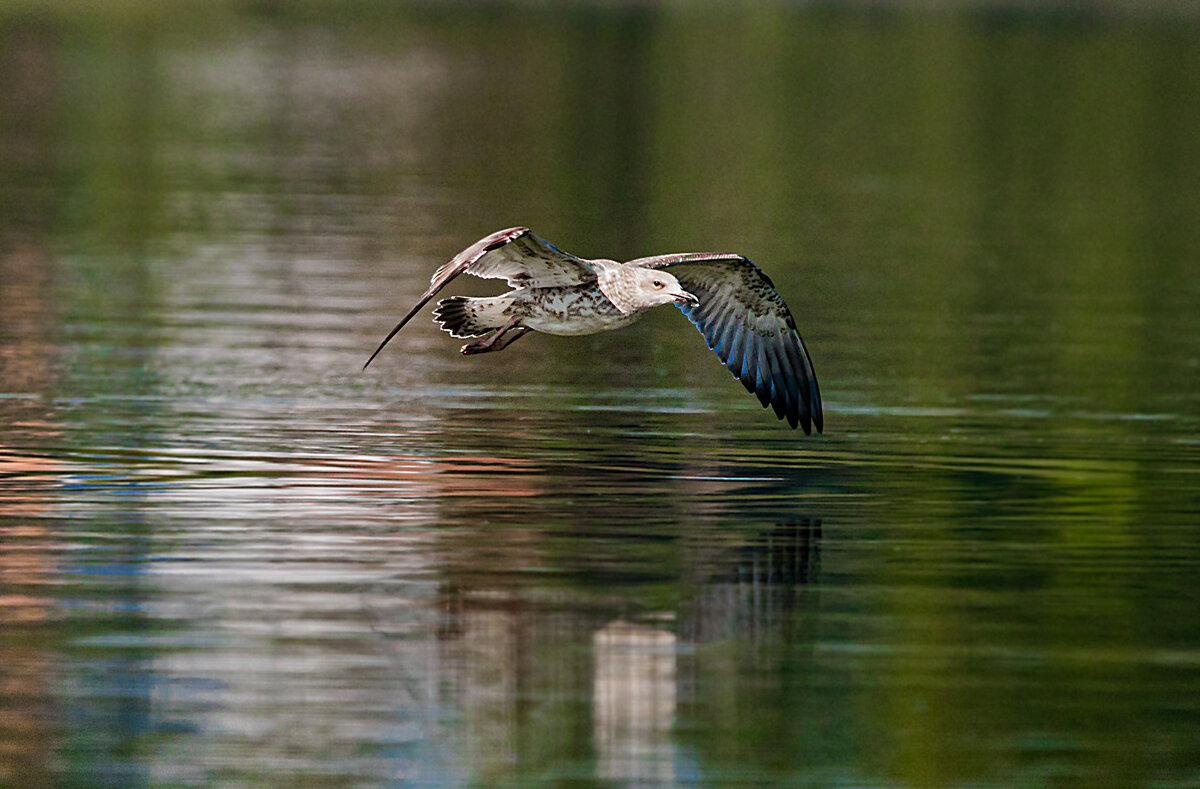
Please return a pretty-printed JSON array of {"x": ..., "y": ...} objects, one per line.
[{"x": 577, "y": 310}]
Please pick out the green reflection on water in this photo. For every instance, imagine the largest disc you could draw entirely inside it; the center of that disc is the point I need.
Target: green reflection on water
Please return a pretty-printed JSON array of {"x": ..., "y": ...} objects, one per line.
[{"x": 227, "y": 555}]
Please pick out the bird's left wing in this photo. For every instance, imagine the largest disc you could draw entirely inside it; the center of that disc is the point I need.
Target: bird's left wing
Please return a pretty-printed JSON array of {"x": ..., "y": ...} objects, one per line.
[
  {"x": 516, "y": 254},
  {"x": 748, "y": 325},
  {"x": 520, "y": 256}
]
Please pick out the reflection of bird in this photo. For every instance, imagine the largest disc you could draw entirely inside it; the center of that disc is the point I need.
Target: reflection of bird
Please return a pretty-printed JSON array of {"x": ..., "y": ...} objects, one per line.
[{"x": 733, "y": 304}]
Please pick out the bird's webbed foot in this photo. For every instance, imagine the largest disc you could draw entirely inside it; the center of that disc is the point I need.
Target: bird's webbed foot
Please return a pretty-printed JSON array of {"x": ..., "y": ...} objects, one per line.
[{"x": 498, "y": 340}]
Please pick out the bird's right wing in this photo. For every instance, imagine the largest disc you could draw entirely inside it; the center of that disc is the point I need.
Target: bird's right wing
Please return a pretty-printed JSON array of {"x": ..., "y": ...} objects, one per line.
[
  {"x": 749, "y": 327},
  {"x": 518, "y": 255}
]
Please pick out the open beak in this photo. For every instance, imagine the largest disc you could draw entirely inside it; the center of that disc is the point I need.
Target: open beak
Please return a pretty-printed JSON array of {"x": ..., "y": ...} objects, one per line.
[{"x": 683, "y": 297}]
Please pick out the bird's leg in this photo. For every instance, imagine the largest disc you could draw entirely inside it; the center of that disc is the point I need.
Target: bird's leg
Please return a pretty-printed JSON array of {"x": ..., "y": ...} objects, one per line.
[
  {"x": 499, "y": 343},
  {"x": 499, "y": 340}
]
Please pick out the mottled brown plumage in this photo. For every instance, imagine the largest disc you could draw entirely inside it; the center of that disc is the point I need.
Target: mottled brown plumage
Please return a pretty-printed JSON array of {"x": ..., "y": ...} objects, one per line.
[{"x": 731, "y": 301}]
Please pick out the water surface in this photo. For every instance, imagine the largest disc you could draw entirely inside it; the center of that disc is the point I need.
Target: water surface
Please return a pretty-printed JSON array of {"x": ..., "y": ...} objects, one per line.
[{"x": 228, "y": 556}]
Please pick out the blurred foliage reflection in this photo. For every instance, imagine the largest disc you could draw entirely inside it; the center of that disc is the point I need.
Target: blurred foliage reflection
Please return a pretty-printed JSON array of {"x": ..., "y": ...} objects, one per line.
[{"x": 226, "y": 555}]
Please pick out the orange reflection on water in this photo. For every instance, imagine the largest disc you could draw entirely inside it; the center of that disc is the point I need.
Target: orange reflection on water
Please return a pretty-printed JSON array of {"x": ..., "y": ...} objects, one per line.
[
  {"x": 28, "y": 562},
  {"x": 439, "y": 477},
  {"x": 34, "y": 475},
  {"x": 472, "y": 475}
]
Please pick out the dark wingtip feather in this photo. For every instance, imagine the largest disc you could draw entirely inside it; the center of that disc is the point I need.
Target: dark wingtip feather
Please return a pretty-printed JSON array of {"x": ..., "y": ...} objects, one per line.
[
  {"x": 776, "y": 369},
  {"x": 813, "y": 393},
  {"x": 787, "y": 388}
]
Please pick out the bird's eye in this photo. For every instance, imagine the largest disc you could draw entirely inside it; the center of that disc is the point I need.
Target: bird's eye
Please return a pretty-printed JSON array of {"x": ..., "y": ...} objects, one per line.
[{"x": 658, "y": 283}]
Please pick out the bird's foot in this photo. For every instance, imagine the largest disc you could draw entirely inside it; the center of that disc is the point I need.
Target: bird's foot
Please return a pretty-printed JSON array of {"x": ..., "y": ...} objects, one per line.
[
  {"x": 475, "y": 346},
  {"x": 498, "y": 340}
]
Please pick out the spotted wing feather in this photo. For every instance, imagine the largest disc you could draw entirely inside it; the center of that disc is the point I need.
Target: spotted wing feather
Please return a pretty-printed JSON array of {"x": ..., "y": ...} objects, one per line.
[
  {"x": 748, "y": 325},
  {"x": 517, "y": 255},
  {"x": 520, "y": 256}
]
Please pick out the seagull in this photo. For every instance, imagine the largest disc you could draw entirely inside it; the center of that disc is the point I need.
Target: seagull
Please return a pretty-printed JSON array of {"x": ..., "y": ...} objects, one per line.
[{"x": 730, "y": 300}]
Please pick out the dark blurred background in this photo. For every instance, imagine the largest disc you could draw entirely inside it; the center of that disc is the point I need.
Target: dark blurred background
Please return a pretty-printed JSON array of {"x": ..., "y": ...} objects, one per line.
[{"x": 227, "y": 555}]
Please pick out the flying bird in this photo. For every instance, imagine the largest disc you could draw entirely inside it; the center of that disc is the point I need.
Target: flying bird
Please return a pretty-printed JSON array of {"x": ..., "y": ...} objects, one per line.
[{"x": 730, "y": 300}]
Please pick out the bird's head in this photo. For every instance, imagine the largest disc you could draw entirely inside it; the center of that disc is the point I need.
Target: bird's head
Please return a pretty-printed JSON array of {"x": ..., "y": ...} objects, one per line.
[
  {"x": 659, "y": 287},
  {"x": 633, "y": 288}
]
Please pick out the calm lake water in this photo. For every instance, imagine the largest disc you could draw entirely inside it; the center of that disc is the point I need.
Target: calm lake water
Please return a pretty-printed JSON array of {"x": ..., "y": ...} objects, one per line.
[{"x": 229, "y": 556}]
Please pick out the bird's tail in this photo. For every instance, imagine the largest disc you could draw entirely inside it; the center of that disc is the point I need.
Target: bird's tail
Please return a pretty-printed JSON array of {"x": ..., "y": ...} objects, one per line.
[{"x": 464, "y": 317}]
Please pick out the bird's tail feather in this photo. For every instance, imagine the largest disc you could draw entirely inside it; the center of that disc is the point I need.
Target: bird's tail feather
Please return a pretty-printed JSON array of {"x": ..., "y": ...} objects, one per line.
[{"x": 464, "y": 317}]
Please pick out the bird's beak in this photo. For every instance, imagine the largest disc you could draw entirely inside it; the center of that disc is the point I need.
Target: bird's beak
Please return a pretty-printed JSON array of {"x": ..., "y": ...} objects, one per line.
[{"x": 683, "y": 297}]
